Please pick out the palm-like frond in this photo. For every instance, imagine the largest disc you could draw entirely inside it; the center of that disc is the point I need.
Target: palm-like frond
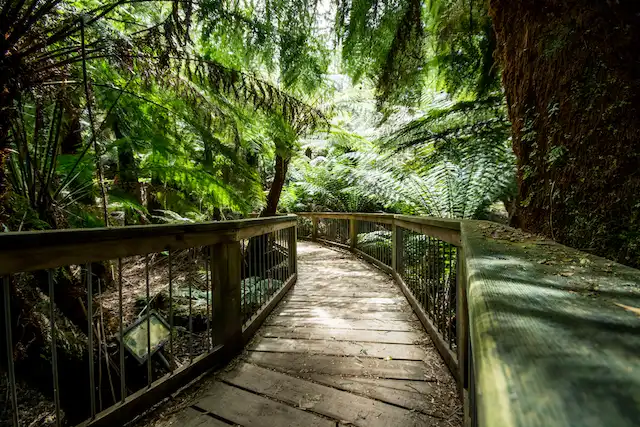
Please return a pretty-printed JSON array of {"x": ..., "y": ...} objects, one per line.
[{"x": 453, "y": 162}]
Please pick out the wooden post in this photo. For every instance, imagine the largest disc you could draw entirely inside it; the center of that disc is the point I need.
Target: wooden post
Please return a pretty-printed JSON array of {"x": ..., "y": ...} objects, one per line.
[
  {"x": 293, "y": 250},
  {"x": 227, "y": 299},
  {"x": 353, "y": 233},
  {"x": 462, "y": 336},
  {"x": 396, "y": 249},
  {"x": 314, "y": 234}
]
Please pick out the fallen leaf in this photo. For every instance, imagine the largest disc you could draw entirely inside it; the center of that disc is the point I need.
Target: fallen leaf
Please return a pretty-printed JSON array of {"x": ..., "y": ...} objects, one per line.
[{"x": 629, "y": 308}]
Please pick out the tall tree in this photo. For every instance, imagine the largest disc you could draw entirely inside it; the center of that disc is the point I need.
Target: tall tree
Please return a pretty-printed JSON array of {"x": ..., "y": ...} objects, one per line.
[{"x": 571, "y": 73}]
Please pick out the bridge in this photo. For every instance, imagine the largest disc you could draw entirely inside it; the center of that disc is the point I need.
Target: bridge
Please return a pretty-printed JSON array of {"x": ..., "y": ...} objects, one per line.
[{"x": 330, "y": 319}]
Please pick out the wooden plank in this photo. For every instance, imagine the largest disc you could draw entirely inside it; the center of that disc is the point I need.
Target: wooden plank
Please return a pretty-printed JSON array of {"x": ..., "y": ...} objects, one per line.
[
  {"x": 345, "y": 306},
  {"x": 332, "y": 312},
  {"x": 353, "y": 233},
  {"x": 550, "y": 343},
  {"x": 259, "y": 230},
  {"x": 300, "y": 363},
  {"x": 392, "y": 337},
  {"x": 341, "y": 348},
  {"x": 373, "y": 217},
  {"x": 349, "y": 300},
  {"x": 449, "y": 235},
  {"x": 250, "y": 410},
  {"x": 190, "y": 417},
  {"x": 433, "y": 398},
  {"x": 462, "y": 327},
  {"x": 339, "y": 405},
  {"x": 343, "y": 323},
  {"x": 292, "y": 243},
  {"x": 345, "y": 292},
  {"x": 336, "y": 284},
  {"x": 451, "y": 224},
  {"x": 396, "y": 247},
  {"x": 379, "y": 218},
  {"x": 314, "y": 232}
]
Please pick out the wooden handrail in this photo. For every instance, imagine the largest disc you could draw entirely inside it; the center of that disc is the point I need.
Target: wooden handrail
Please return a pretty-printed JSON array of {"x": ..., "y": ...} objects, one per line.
[
  {"x": 35, "y": 250},
  {"x": 385, "y": 218}
]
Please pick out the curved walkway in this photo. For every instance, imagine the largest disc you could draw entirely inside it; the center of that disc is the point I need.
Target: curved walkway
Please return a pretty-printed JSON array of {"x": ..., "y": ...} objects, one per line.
[{"x": 342, "y": 348}]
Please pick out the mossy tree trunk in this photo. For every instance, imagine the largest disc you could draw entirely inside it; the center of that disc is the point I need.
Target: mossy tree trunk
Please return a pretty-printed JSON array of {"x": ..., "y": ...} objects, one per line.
[
  {"x": 279, "y": 177},
  {"x": 571, "y": 73}
]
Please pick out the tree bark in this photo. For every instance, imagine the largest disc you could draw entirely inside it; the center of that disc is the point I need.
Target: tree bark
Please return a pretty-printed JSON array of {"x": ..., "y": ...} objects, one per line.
[
  {"x": 273, "y": 198},
  {"x": 571, "y": 74},
  {"x": 127, "y": 167}
]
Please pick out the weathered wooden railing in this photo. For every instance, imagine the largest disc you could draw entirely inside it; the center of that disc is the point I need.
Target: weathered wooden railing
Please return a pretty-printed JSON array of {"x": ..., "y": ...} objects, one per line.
[
  {"x": 535, "y": 333},
  {"x": 239, "y": 270}
]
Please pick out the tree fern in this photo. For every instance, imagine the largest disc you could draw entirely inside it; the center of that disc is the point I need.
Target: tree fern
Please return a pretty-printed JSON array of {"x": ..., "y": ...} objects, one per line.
[{"x": 453, "y": 162}]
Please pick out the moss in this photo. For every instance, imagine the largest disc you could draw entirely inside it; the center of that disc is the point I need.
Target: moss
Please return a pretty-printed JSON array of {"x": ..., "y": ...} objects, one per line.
[{"x": 573, "y": 87}]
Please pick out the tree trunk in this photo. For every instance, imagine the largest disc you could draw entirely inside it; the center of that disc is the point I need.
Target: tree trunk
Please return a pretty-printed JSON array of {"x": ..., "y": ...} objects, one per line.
[
  {"x": 273, "y": 198},
  {"x": 571, "y": 73},
  {"x": 127, "y": 168}
]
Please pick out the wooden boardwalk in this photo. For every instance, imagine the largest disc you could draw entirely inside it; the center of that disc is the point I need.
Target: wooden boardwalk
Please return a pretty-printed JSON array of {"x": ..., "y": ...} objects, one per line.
[{"x": 342, "y": 348}]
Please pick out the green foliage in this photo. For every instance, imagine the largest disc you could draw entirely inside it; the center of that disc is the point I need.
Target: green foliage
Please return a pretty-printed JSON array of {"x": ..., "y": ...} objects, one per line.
[
  {"x": 454, "y": 162},
  {"x": 147, "y": 100},
  {"x": 175, "y": 111},
  {"x": 383, "y": 41},
  {"x": 327, "y": 182},
  {"x": 403, "y": 45},
  {"x": 464, "y": 46}
]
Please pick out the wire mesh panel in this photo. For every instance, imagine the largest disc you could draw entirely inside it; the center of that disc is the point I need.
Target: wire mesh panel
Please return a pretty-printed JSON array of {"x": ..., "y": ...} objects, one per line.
[
  {"x": 146, "y": 316},
  {"x": 334, "y": 230},
  {"x": 375, "y": 240},
  {"x": 305, "y": 227},
  {"x": 427, "y": 266},
  {"x": 266, "y": 267}
]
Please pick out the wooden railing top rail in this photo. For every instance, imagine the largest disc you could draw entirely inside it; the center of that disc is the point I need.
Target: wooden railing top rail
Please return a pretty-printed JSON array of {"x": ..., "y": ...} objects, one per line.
[
  {"x": 447, "y": 230},
  {"x": 555, "y": 332},
  {"x": 34, "y": 250}
]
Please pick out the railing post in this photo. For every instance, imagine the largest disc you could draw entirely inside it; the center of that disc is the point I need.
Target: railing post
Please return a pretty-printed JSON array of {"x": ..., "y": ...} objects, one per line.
[
  {"x": 314, "y": 232},
  {"x": 293, "y": 250},
  {"x": 396, "y": 248},
  {"x": 462, "y": 335},
  {"x": 226, "y": 261},
  {"x": 353, "y": 233}
]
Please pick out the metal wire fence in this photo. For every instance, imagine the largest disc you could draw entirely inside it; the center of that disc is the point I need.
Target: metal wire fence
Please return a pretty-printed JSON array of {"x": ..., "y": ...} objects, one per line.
[{"x": 127, "y": 324}]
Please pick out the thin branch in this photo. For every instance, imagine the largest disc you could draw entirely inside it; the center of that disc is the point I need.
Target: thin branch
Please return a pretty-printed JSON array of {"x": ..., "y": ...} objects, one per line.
[{"x": 103, "y": 191}]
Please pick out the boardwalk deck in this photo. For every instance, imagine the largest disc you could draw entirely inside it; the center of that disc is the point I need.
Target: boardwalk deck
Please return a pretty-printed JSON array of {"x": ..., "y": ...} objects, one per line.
[{"x": 342, "y": 348}]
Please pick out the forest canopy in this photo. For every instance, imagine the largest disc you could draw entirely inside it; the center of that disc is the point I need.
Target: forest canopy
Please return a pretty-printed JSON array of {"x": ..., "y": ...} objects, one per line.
[
  {"x": 137, "y": 112},
  {"x": 143, "y": 112}
]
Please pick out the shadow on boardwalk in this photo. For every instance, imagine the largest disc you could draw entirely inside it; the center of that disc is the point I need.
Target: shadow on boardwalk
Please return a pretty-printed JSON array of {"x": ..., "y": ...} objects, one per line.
[{"x": 342, "y": 348}]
